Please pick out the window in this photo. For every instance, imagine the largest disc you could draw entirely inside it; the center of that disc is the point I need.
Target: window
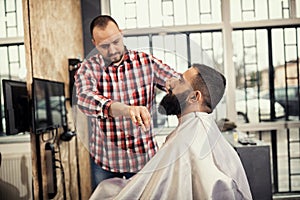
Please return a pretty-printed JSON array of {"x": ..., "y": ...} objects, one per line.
[
  {"x": 184, "y": 32},
  {"x": 162, "y": 13},
  {"x": 254, "y": 10},
  {"x": 260, "y": 48},
  {"x": 12, "y": 51}
]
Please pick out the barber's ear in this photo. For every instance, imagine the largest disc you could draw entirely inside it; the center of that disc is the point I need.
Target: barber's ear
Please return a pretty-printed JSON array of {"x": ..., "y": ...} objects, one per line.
[{"x": 93, "y": 41}]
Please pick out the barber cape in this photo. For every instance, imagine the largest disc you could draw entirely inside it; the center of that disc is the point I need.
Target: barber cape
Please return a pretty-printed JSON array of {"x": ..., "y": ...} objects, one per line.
[{"x": 195, "y": 162}]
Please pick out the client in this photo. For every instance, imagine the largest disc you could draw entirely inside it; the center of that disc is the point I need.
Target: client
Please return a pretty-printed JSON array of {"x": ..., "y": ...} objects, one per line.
[{"x": 195, "y": 162}]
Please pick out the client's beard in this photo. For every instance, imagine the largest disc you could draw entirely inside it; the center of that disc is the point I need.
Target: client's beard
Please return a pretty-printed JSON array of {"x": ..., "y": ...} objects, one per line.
[{"x": 173, "y": 104}]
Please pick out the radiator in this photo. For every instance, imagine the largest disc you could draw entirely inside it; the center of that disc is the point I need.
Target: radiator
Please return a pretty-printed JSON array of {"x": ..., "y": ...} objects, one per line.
[{"x": 16, "y": 176}]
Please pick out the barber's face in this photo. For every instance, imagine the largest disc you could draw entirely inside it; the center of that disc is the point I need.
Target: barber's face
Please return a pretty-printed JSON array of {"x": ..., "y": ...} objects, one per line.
[{"x": 109, "y": 42}]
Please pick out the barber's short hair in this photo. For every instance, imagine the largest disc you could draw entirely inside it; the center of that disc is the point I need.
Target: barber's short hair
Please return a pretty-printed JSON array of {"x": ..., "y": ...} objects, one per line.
[
  {"x": 101, "y": 21},
  {"x": 211, "y": 83}
]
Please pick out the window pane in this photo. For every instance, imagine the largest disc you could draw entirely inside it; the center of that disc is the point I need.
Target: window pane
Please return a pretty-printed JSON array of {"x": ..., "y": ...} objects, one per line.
[
  {"x": 13, "y": 62},
  {"x": 249, "y": 10},
  {"x": 4, "y": 62},
  {"x": 172, "y": 49},
  {"x": 207, "y": 48},
  {"x": 11, "y": 18},
  {"x": 155, "y": 13},
  {"x": 137, "y": 43}
]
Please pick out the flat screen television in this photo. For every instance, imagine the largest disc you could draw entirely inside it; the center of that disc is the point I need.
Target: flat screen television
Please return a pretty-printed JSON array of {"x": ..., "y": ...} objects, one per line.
[
  {"x": 49, "y": 110},
  {"x": 16, "y": 107}
]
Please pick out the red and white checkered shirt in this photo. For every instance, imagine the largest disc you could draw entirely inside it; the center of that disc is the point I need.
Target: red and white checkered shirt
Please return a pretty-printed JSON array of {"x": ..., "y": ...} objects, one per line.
[{"x": 116, "y": 143}]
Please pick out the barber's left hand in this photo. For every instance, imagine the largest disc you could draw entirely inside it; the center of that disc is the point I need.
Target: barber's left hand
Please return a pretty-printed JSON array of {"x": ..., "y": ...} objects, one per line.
[{"x": 138, "y": 114}]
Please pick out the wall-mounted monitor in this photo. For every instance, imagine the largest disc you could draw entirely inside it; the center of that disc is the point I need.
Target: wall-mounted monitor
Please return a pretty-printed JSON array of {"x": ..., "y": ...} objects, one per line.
[
  {"x": 16, "y": 107},
  {"x": 49, "y": 110}
]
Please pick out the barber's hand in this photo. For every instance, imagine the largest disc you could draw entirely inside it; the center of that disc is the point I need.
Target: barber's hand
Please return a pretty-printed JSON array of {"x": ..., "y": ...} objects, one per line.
[
  {"x": 140, "y": 116},
  {"x": 170, "y": 83}
]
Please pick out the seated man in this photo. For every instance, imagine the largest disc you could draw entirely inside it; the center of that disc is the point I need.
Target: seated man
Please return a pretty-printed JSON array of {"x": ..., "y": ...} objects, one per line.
[{"x": 195, "y": 162}]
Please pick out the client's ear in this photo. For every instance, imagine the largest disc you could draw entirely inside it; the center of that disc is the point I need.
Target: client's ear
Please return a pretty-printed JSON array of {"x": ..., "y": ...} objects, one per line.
[
  {"x": 195, "y": 96},
  {"x": 198, "y": 95}
]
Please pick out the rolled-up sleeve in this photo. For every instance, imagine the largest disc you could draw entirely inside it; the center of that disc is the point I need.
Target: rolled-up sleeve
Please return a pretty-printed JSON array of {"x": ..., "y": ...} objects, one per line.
[
  {"x": 162, "y": 72},
  {"x": 89, "y": 100}
]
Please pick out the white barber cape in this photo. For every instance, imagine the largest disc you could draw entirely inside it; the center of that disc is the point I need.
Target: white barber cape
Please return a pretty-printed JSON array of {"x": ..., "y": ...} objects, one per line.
[{"x": 196, "y": 162}]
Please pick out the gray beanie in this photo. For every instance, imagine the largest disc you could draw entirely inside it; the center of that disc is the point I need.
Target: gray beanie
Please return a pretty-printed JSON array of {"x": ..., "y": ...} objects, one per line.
[{"x": 214, "y": 81}]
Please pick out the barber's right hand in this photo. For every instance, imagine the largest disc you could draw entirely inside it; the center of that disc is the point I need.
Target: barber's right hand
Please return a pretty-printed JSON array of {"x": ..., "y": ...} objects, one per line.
[
  {"x": 140, "y": 116},
  {"x": 170, "y": 84}
]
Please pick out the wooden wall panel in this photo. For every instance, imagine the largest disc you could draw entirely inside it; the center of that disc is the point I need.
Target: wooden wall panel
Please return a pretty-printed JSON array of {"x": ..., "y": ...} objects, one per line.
[{"x": 53, "y": 33}]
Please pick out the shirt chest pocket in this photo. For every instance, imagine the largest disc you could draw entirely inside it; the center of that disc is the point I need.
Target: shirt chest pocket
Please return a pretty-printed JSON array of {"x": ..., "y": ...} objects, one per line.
[{"x": 140, "y": 95}]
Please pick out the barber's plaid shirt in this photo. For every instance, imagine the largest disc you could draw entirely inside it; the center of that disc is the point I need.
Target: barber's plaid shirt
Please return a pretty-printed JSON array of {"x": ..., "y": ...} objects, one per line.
[{"x": 117, "y": 144}]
